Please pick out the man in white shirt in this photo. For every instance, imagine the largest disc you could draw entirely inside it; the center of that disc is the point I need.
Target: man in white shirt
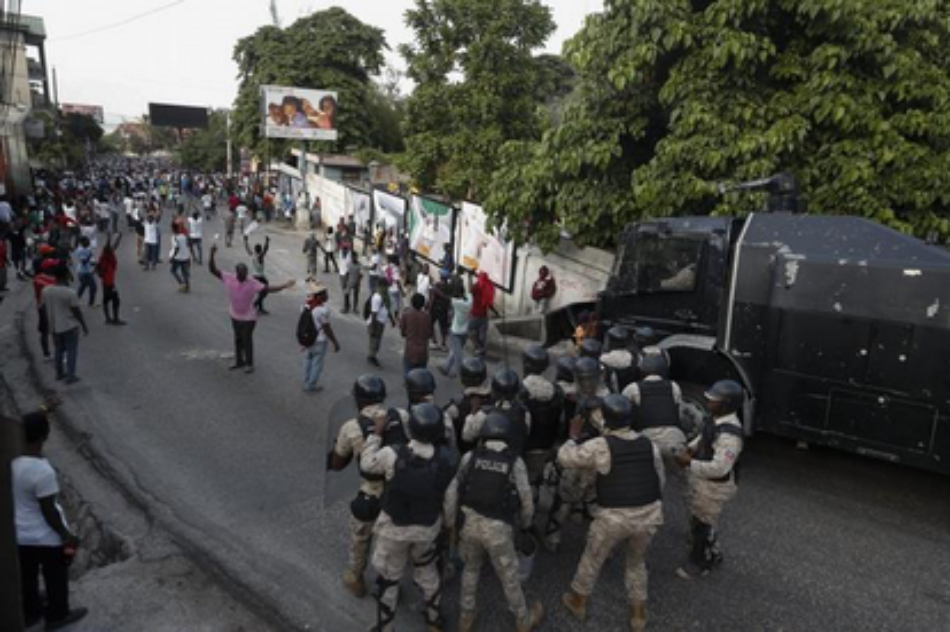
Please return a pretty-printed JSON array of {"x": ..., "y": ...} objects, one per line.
[
  {"x": 151, "y": 242},
  {"x": 44, "y": 539},
  {"x": 181, "y": 260},
  {"x": 315, "y": 354},
  {"x": 423, "y": 281},
  {"x": 376, "y": 323},
  {"x": 194, "y": 236}
]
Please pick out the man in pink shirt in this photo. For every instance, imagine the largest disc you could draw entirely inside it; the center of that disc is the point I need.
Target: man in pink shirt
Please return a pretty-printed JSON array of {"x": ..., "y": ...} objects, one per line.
[{"x": 242, "y": 291}]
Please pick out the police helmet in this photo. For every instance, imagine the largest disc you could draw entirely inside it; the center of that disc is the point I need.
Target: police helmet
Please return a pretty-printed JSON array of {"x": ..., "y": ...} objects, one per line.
[
  {"x": 535, "y": 360},
  {"x": 425, "y": 423},
  {"x": 369, "y": 389},
  {"x": 473, "y": 372},
  {"x": 645, "y": 336},
  {"x": 497, "y": 427},
  {"x": 728, "y": 394},
  {"x": 565, "y": 370},
  {"x": 587, "y": 374},
  {"x": 505, "y": 384},
  {"x": 591, "y": 348},
  {"x": 420, "y": 383},
  {"x": 654, "y": 364},
  {"x": 617, "y": 338},
  {"x": 617, "y": 411}
]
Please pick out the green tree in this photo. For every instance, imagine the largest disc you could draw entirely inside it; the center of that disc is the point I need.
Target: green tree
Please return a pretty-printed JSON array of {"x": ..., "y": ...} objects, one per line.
[
  {"x": 329, "y": 49},
  {"x": 852, "y": 96},
  {"x": 475, "y": 81},
  {"x": 206, "y": 149}
]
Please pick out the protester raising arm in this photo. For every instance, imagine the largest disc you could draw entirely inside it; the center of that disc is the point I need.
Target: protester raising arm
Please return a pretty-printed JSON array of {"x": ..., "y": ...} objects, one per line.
[{"x": 212, "y": 266}]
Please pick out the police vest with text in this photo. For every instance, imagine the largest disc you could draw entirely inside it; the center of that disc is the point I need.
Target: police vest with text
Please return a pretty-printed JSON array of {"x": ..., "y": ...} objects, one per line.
[{"x": 488, "y": 486}]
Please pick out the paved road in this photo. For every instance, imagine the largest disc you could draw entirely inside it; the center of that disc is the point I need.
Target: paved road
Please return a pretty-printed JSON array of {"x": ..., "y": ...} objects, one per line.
[{"x": 231, "y": 463}]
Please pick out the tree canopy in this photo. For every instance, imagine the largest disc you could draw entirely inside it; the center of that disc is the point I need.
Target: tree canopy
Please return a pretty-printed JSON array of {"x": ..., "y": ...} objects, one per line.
[
  {"x": 674, "y": 96},
  {"x": 329, "y": 50},
  {"x": 206, "y": 149},
  {"x": 475, "y": 81}
]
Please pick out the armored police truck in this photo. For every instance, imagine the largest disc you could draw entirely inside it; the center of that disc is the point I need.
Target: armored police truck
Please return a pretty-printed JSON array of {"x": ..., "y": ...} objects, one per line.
[{"x": 838, "y": 327}]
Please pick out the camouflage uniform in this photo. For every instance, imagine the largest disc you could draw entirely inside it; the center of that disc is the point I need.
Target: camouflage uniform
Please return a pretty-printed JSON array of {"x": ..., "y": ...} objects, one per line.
[
  {"x": 634, "y": 526},
  {"x": 397, "y": 546},
  {"x": 349, "y": 443},
  {"x": 617, "y": 360},
  {"x": 539, "y": 389},
  {"x": 669, "y": 439},
  {"x": 482, "y": 535},
  {"x": 473, "y": 425}
]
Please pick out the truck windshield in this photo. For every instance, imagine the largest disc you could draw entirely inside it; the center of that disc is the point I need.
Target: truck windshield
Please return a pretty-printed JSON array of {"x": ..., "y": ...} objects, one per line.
[{"x": 659, "y": 263}]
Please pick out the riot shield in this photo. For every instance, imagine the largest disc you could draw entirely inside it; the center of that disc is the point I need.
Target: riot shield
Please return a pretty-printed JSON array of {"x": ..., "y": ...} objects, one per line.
[{"x": 340, "y": 485}]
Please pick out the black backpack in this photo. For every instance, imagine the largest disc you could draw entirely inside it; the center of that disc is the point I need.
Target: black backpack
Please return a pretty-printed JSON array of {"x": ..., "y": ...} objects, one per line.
[{"x": 306, "y": 329}]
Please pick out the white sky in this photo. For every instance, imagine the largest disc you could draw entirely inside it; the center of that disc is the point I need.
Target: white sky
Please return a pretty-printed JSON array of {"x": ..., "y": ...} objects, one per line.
[{"x": 182, "y": 54}]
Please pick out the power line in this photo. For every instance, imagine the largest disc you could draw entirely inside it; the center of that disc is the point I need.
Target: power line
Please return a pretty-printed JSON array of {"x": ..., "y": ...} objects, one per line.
[{"x": 129, "y": 20}]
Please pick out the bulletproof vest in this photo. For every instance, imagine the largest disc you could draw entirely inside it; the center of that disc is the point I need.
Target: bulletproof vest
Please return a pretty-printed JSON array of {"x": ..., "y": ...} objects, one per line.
[
  {"x": 487, "y": 485},
  {"x": 396, "y": 433},
  {"x": 624, "y": 377},
  {"x": 415, "y": 493},
  {"x": 657, "y": 406},
  {"x": 545, "y": 420},
  {"x": 464, "y": 407},
  {"x": 519, "y": 428},
  {"x": 706, "y": 449},
  {"x": 632, "y": 481}
]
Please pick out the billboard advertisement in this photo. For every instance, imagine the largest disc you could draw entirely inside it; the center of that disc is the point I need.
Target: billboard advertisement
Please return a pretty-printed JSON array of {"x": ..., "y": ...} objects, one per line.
[
  {"x": 299, "y": 113},
  {"x": 95, "y": 111},
  {"x": 481, "y": 249},
  {"x": 178, "y": 116},
  {"x": 390, "y": 209},
  {"x": 430, "y": 228}
]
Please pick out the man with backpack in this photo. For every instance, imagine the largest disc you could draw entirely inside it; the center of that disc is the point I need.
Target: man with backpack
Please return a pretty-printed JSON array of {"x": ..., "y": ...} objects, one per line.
[{"x": 314, "y": 334}]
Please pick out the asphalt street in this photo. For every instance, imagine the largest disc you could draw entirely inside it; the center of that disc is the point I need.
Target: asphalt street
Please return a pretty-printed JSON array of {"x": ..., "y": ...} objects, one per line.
[{"x": 232, "y": 465}]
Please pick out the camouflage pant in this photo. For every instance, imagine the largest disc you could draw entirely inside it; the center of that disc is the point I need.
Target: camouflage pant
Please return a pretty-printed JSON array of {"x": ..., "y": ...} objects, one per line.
[
  {"x": 575, "y": 491},
  {"x": 480, "y": 536},
  {"x": 361, "y": 536},
  {"x": 389, "y": 560},
  {"x": 707, "y": 499},
  {"x": 606, "y": 533}
]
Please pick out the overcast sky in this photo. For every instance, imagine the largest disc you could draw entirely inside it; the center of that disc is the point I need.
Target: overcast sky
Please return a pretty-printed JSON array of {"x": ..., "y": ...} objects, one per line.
[{"x": 182, "y": 53}]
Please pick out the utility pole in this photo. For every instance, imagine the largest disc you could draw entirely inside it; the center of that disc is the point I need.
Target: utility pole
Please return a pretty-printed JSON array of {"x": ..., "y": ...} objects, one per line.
[
  {"x": 228, "y": 127},
  {"x": 55, "y": 91}
]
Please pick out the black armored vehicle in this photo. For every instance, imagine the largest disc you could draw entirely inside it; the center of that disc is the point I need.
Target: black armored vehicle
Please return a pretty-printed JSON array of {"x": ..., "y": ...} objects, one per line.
[{"x": 838, "y": 327}]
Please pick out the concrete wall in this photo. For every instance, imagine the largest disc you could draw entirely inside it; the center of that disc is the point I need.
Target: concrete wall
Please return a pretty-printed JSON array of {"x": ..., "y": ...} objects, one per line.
[{"x": 580, "y": 274}]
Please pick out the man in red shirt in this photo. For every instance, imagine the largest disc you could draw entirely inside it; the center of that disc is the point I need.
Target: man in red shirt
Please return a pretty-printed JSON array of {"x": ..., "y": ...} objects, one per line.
[
  {"x": 483, "y": 299},
  {"x": 44, "y": 278},
  {"x": 108, "y": 266}
]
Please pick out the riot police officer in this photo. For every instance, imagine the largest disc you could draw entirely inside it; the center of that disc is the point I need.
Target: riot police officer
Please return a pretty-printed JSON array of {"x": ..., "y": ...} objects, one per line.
[
  {"x": 629, "y": 481},
  {"x": 711, "y": 463},
  {"x": 658, "y": 399},
  {"x": 495, "y": 499},
  {"x": 544, "y": 401},
  {"x": 420, "y": 388},
  {"x": 620, "y": 362},
  {"x": 369, "y": 391},
  {"x": 417, "y": 475},
  {"x": 476, "y": 394},
  {"x": 505, "y": 386},
  {"x": 591, "y": 348}
]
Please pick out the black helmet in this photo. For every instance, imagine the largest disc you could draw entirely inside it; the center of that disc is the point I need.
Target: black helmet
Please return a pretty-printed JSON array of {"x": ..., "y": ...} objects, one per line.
[
  {"x": 617, "y": 338},
  {"x": 645, "y": 336},
  {"x": 652, "y": 363},
  {"x": 473, "y": 372},
  {"x": 565, "y": 370},
  {"x": 497, "y": 427},
  {"x": 419, "y": 383},
  {"x": 425, "y": 423},
  {"x": 505, "y": 384},
  {"x": 369, "y": 389},
  {"x": 727, "y": 392},
  {"x": 591, "y": 348},
  {"x": 617, "y": 411},
  {"x": 587, "y": 374},
  {"x": 535, "y": 360}
]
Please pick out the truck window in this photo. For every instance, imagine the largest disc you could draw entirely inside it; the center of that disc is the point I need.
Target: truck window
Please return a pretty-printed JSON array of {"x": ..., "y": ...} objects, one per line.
[{"x": 667, "y": 264}]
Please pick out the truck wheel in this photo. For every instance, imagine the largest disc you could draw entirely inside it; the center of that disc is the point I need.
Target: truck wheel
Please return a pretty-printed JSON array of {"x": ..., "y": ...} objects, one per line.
[{"x": 693, "y": 409}]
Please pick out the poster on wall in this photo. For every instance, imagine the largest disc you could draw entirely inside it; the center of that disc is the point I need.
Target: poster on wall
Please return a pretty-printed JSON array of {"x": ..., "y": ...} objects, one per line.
[
  {"x": 358, "y": 205},
  {"x": 331, "y": 195},
  {"x": 481, "y": 249},
  {"x": 430, "y": 228},
  {"x": 390, "y": 209},
  {"x": 299, "y": 113}
]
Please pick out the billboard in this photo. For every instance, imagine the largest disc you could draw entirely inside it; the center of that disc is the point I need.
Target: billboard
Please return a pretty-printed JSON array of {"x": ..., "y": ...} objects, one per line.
[
  {"x": 430, "y": 228},
  {"x": 482, "y": 249},
  {"x": 298, "y": 113},
  {"x": 178, "y": 116},
  {"x": 390, "y": 209},
  {"x": 95, "y": 111}
]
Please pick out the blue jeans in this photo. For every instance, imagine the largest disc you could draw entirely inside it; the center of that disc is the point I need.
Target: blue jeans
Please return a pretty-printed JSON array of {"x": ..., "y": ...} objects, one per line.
[
  {"x": 313, "y": 364},
  {"x": 66, "y": 347},
  {"x": 151, "y": 255},
  {"x": 181, "y": 270},
  {"x": 195, "y": 244},
  {"x": 456, "y": 353},
  {"x": 87, "y": 280},
  {"x": 478, "y": 330}
]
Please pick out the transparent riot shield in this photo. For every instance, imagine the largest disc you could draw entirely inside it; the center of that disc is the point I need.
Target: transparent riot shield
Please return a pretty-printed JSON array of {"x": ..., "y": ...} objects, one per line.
[{"x": 341, "y": 485}]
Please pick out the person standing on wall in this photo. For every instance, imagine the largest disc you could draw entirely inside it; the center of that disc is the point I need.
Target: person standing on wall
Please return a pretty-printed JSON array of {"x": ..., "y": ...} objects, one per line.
[{"x": 543, "y": 290}]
